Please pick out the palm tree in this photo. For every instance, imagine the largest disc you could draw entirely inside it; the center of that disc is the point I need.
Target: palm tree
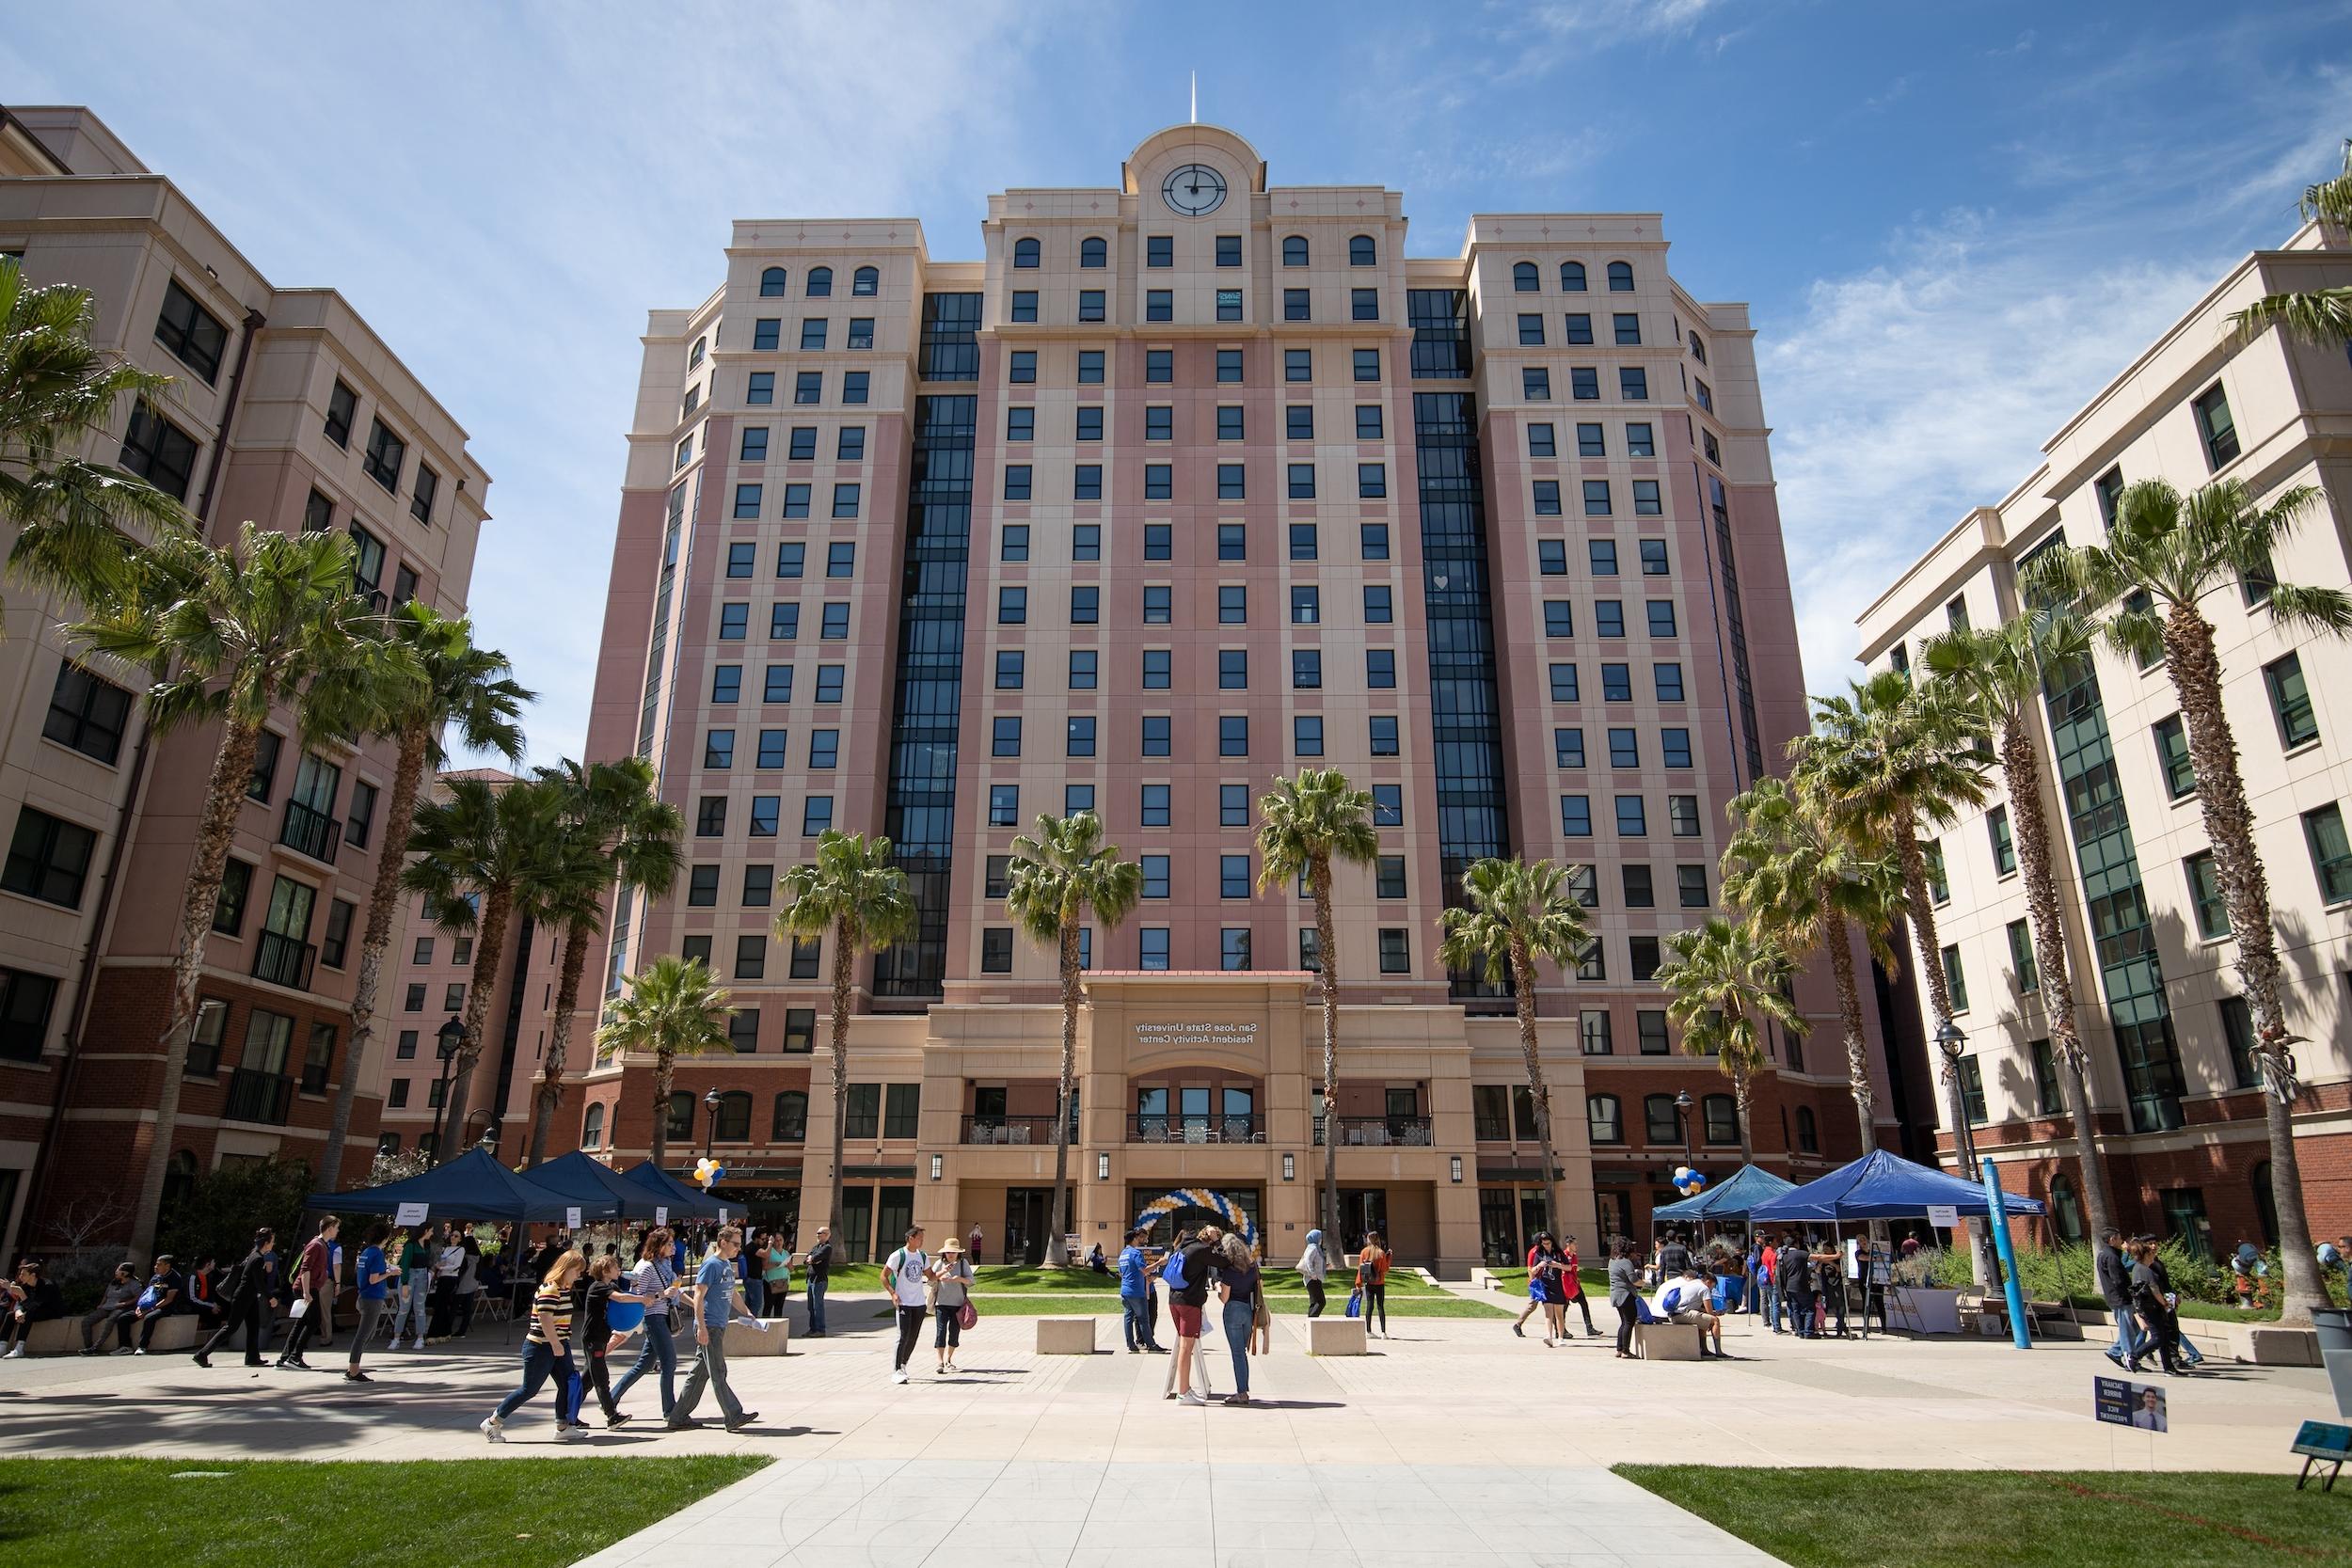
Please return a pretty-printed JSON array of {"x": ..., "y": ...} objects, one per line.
[
  {"x": 486, "y": 853},
  {"x": 270, "y": 619},
  {"x": 2321, "y": 315},
  {"x": 2175, "y": 551},
  {"x": 1999, "y": 675},
  {"x": 1513, "y": 912},
  {"x": 617, "y": 832},
  {"x": 57, "y": 395},
  {"x": 1796, "y": 875},
  {"x": 1723, "y": 976},
  {"x": 460, "y": 687},
  {"x": 672, "y": 1010},
  {"x": 854, "y": 893},
  {"x": 1055, "y": 878},
  {"x": 1304, "y": 824}
]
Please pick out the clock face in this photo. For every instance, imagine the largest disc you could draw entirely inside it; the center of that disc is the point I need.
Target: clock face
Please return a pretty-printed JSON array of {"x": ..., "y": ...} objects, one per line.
[{"x": 1195, "y": 190}]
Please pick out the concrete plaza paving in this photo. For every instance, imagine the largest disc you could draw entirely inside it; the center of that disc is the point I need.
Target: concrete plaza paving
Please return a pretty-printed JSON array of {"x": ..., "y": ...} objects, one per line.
[{"x": 1451, "y": 1436}]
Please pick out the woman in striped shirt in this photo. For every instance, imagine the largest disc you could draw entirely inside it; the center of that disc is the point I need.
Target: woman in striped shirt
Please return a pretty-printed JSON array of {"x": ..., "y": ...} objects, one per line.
[{"x": 547, "y": 1352}]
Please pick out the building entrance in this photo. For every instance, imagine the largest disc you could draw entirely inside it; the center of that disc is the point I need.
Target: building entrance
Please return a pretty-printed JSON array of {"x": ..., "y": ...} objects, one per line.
[
  {"x": 1028, "y": 1214},
  {"x": 1363, "y": 1210},
  {"x": 1191, "y": 1216}
]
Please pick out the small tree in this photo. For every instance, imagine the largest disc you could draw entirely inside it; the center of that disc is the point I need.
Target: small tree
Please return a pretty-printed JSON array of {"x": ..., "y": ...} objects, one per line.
[
  {"x": 1723, "y": 976},
  {"x": 672, "y": 1009}
]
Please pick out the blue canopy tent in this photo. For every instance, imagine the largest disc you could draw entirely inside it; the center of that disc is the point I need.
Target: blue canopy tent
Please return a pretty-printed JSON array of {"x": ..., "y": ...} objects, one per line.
[
  {"x": 1881, "y": 1186},
  {"x": 473, "y": 1186},
  {"x": 683, "y": 1201},
  {"x": 1739, "y": 1192},
  {"x": 587, "y": 1180}
]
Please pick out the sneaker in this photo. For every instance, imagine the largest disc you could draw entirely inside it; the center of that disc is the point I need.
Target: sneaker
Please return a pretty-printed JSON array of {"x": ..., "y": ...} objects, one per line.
[
  {"x": 738, "y": 1423},
  {"x": 1518, "y": 1330},
  {"x": 681, "y": 1423},
  {"x": 941, "y": 1370},
  {"x": 1191, "y": 1396},
  {"x": 953, "y": 1368},
  {"x": 16, "y": 1353},
  {"x": 141, "y": 1351},
  {"x": 124, "y": 1350},
  {"x": 358, "y": 1377},
  {"x": 570, "y": 1433},
  {"x": 899, "y": 1375},
  {"x": 1237, "y": 1399},
  {"x": 1132, "y": 1350},
  {"x": 494, "y": 1428}
]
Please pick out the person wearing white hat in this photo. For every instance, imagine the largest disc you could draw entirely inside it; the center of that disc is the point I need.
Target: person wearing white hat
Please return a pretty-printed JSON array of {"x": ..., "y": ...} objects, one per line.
[{"x": 951, "y": 1287}]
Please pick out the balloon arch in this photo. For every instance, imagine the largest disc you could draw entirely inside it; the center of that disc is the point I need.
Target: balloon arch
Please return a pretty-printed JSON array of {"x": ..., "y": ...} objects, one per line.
[{"x": 1200, "y": 1198}]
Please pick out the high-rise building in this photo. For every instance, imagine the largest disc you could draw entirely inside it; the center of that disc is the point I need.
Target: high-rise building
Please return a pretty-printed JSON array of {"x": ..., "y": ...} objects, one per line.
[
  {"x": 285, "y": 410},
  {"x": 2149, "y": 949},
  {"x": 1190, "y": 482}
]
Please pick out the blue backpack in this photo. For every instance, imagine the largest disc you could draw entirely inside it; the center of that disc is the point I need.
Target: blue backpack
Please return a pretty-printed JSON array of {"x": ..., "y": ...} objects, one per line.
[{"x": 1173, "y": 1270}]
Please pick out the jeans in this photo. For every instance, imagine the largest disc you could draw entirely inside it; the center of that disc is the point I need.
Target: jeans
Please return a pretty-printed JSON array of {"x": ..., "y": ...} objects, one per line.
[
  {"x": 816, "y": 1304},
  {"x": 1237, "y": 1315},
  {"x": 372, "y": 1310},
  {"x": 909, "y": 1329},
  {"x": 1136, "y": 1323},
  {"x": 414, "y": 1305},
  {"x": 1801, "y": 1316},
  {"x": 950, "y": 1335},
  {"x": 1770, "y": 1292},
  {"x": 711, "y": 1368},
  {"x": 597, "y": 1376},
  {"x": 661, "y": 1351},
  {"x": 2128, "y": 1343},
  {"x": 1315, "y": 1298},
  {"x": 540, "y": 1362},
  {"x": 1628, "y": 1315},
  {"x": 755, "y": 1296}
]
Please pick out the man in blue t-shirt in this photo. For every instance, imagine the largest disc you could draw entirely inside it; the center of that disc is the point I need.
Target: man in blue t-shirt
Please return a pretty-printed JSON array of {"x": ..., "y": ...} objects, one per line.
[
  {"x": 376, "y": 1278},
  {"x": 1135, "y": 1295},
  {"x": 718, "y": 1297}
]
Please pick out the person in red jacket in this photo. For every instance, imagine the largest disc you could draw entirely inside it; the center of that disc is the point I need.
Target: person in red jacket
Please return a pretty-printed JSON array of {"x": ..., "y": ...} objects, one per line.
[{"x": 313, "y": 1279}]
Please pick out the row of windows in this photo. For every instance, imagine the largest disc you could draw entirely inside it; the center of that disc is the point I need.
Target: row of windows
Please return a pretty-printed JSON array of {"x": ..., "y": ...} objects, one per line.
[
  {"x": 1577, "y": 328},
  {"x": 726, "y": 683},
  {"x": 847, "y": 497},
  {"x": 385, "y": 453},
  {"x": 1080, "y": 732},
  {"x": 1159, "y": 542},
  {"x": 368, "y": 555},
  {"x": 1159, "y": 421},
  {"x": 1632, "y": 815},
  {"x": 1608, "y": 618},
  {"x": 1583, "y": 383},
  {"x": 1232, "y": 668},
  {"x": 1527, "y": 280},
  {"x": 1159, "y": 251},
  {"x": 1085, "y": 482},
  {"x": 1591, "y": 441},
  {"x": 1719, "y": 1120},
  {"x": 808, "y": 386},
  {"x": 1624, "y": 747},
  {"x": 1616, "y": 681},
  {"x": 1232, "y": 605},
  {"x": 815, "y": 333},
  {"x": 1159, "y": 366},
  {"x": 784, "y": 622},
  {"x": 865, "y": 282},
  {"x": 800, "y": 445}
]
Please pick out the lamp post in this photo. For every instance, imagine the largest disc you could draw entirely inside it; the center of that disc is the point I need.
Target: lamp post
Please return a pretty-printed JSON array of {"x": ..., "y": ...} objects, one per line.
[
  {"x": 451, "y": 1035},
  {"x": 1949, "y": 1037},
  {"x": 711, "y": 1118},
  {"x": 1682, "y": 1119}
]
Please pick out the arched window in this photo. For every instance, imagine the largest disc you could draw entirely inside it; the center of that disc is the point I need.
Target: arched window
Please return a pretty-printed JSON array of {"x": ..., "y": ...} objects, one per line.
[
  {"x": 1808, "y": 1135},
  {"x": 731, "y": 1123},
  {"x": 2065, "y": 1212},
  {"x": 681, "y": 1115},
  {"x": 1604, "y": 1118},
  {"x": 1361, "y": 252},
  {"x": 820, "y": 283},
  {"x": 1094, "y": 252},
  {"x": 2265, "y": 1202},
  {"x": 1572, "y": 278},
  {"x": 1525, "y": 280},
  {"x": 1721, "y": 1119},
  {"x": 1295, "y": 250},
  {"x": 865, "y": 281},
  {"x": 772, "y": 283},
  {"x": 790, "y": 1125},
  {"x": 591, "y": 1128},
  {"x": 694, "y": 355},
  {"x": 1698, "y": 349},
  {"x": 1620, "y": 277},
  {"x": 1659, "y": 1126},
  {"x": 1026, "y": 252}
]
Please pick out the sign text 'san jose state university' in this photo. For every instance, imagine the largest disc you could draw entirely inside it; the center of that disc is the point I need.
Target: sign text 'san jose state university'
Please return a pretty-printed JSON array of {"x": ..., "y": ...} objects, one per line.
[{"x": 1197, "y": 1033}]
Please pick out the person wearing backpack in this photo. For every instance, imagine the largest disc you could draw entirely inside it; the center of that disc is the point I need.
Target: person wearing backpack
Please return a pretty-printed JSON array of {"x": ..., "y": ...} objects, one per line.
[
  {"x": 1312, "y": 1268},
  {"x": 1796, "y": 1286},
  {"x": 1372, "y": 1278},
  {"x": 1135, "y": 1296},
  {"x": 908, "y": 1272},
  {"x": 1187, "y": 1272},
  {"x": 247, "y": 1288}
]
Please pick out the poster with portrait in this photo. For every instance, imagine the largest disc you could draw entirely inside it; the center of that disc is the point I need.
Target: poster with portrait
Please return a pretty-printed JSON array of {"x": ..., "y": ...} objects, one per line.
[{"x": 2122, "y": 1403}]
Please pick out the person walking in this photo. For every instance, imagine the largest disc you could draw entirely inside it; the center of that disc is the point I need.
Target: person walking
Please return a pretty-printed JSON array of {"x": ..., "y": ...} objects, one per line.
[
  {"x": 547, "y": 1352},
  {"x": 1543, "y": 1264},
  {"x": 2155, "y": 1313},
  {"x": 32, "y": 1298},
  {"x": 2112, "y": 1270},
  {"x": 818, "y": 1270},
  {"x": 1372, "y": 1278},
  {"x": 611, "y": 1312},
  {"x": 1135, "y": 1295},
  {"x": 313, "y": 1277},
  {"x": 908, "y": 1270},
  {"x": 718, "y": 1298},
  {"x": 951, "y": 1287},
  {"x": 416, "y": 1286},
  {"x": 1188, "y": 1292},
  {"x": 2183, "y": 1347},
  {"x": 373, "y": 1280},
  {"x": 246, "y": 1290},
  {"x": 1625, "y": 1289},
  {"x": 1572, "y": 1288},
  {"x": 1241, "y": 1289},
  {"x": 1313, "y": 1268},
  {"x": 655, "y": 1283}
]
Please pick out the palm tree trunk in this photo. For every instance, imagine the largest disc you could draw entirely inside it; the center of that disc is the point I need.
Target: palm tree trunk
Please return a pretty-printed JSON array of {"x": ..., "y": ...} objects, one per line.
[
  {"x": 664, "y": 1064},
  {"x": 1069, "y": 967},
  {"x": 1922, "y": 911},
  {"x": 224, "y": 797},
  {"x": 576, "y": 938},
  {"x": 1523, "y": 1003},
  {"x": 383, "y": 905},
  {"x": 2022, "y": 767},
  {"x": 497, "y": 905},
  {"x": 1327, "y": 958},
  {"x": 1740, "y": 1079},
  {"x": 2196, "y": 673},
  {"x": 1834, "y": 936},
  {"x": 839, "y": 1051}
]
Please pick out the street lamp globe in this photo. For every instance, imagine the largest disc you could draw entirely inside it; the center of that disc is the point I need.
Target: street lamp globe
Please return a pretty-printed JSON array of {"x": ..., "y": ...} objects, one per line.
[
  {"x": 1949, "y": 1037},
  {"x": 451, "y": 1036}
]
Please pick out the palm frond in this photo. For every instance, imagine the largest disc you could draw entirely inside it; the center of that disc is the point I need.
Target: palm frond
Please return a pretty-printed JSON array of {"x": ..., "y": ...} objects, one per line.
[{"x": 2319, "y": 316}]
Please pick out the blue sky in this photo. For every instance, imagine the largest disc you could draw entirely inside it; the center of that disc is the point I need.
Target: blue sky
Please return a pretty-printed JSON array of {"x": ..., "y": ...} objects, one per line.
[{"x": 1954, "y": 222}]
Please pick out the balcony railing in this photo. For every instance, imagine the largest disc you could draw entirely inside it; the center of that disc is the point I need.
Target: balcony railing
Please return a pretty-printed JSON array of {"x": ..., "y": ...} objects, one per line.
[
  {"x": 310, "y": 832},
  {"x": 1379, "y": 1131},
  {"x": 1010, "y": 1129},
  {"x": 259, "y": 1097},
  {"x": 1180, "y": 1129},
  {"x": 284, "y": 962}
]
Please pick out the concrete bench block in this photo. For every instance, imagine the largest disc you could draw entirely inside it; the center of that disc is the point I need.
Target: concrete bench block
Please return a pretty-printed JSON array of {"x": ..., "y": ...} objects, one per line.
[
  {"x": 175, "y": 1333},
  {"x": 1336, "y": 1336},
  {"x": 53, "y": 1337},
  {"x": 1064, "y": 1336},
  {"x": 743, "y": 1340},
  {"x": 1667, "y": 1342},
  {"x": 2283, "y": 1347}
]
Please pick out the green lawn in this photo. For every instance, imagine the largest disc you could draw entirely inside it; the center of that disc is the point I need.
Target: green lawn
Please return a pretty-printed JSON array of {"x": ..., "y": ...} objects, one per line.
[
  {"x": 1514, "y": 1282},
  {"x": 1843, "y": 1518},
  {"x": 494, "y": 1512},
  {"x": 1283, "y": 1303}
]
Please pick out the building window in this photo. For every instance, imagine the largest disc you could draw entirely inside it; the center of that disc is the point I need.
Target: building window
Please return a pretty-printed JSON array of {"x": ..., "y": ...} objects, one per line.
[
  {"x": 194, "y": 335},
  {"x": 26, "y": 1002},
  {"x": 2020, "y": 957},
  {"x": 2180, "y": 773},
  {"x": 159, "y": 451},
  {"x": 2215, "y": 427},
  {"x": 48, "y": 857},
  {"x": 1939, "y": 887},
  {"x": 2204, "y": 897},
  {"x": 1720, "y": 1116},
  {"x": 1956, "y": 979},
  {"x": 2004, "y": 848},
  {"x": 1628, "y": 328},
  {"x": 2331, "y": 854},
  {"x": 2290, "y": 702},
  {"x": 343, "y": 410},
  {"x": 88, "y": 713},
  {"x": 1650, "y": 1028},
  {"x": 1233, "y": 948},
  {"x": 2237, "y": 1031},
  {"x": 383, "y": 457}
]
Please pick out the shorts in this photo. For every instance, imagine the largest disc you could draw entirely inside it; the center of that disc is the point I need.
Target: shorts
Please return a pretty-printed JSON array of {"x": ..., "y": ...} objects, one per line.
[
  {"x": 1187, "y": 1320},
  {"x": 1687, "y": 1315}
]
